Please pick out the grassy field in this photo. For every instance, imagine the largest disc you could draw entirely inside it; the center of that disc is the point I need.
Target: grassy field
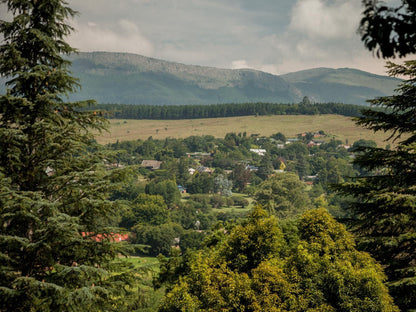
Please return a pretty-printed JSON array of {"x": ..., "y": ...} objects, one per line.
[{"x": 340, "y": 127}]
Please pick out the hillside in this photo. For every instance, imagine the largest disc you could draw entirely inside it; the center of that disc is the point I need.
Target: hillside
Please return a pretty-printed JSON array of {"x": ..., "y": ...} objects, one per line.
[
  {"x": 133, "y": 79},
  {"x": 336, "y": 85}
]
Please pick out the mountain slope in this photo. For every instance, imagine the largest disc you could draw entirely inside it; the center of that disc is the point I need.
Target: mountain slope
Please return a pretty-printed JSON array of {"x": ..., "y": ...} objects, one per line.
[
  {"x": 133, "y": 79},
  {"x": 337, "y": 85}
]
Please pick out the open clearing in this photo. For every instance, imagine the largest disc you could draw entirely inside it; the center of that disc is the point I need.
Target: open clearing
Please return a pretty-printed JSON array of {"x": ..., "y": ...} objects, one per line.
[{"x": 339, "y": 127}]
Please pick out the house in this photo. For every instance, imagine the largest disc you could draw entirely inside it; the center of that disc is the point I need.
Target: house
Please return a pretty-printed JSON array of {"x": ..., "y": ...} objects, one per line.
[
  {"x": 252, "y": 168},
  {"x": 198, "y": 155},
  {"x": 202, "y": 169},
  {"x": 151, "y": 164},
  {"x": 291, "y": 141},
  {"x": 182, "y": 189},
  {"x": 114, "y": 237},
  {"x": 191, "y": 171},
  {"x": 258, "y": 151}
]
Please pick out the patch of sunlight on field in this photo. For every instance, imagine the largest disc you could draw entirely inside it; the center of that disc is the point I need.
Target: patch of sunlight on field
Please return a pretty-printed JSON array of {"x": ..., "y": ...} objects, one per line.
[{"x": 339, "y": 127}]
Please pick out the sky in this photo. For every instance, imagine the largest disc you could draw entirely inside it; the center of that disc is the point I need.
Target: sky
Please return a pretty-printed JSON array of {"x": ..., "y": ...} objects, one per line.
[{"x": 275, "y": 36}]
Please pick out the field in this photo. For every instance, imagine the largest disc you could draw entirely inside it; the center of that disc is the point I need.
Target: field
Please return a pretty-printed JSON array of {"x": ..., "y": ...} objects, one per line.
[{"x": 339, "y": 127}]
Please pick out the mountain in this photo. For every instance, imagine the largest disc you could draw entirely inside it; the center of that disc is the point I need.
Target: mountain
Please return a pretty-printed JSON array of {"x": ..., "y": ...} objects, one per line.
[
  {"x": 345, "y": 85},
  {"x": 134, "y": 79}
]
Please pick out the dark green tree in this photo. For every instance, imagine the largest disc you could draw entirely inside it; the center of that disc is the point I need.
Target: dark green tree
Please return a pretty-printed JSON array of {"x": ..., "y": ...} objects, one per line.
[
  {"x": 53, "y": 192},
  {"x": 385, "y": 198},
  {"x": 240, "y": 177},
  {"x": 389, "y": 30}
]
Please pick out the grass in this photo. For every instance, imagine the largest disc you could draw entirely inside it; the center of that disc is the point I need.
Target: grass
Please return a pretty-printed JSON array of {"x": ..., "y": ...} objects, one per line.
[{"x": 339, "y": 127}]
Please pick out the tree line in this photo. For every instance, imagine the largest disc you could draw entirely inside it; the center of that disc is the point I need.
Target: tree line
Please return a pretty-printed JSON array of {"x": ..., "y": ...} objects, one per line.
[{"x": 126, "y": 111}]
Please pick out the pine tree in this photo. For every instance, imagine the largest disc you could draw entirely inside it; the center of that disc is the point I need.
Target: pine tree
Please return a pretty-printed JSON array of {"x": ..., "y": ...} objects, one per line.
[
  {"x": 385, "y": 199},
  {"x": 53, "y": 192},
  {"x": 385, "y": 205}
]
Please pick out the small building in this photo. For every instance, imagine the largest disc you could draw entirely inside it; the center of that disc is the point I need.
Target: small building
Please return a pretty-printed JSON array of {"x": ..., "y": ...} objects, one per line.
[
  {"x": 182, "y": 189},
  {"x": 258, "y": 151},
  {"x": 202, "y": 169},
  {"x": 191, "y": 171},
  {"x": 151, "y": 164}
]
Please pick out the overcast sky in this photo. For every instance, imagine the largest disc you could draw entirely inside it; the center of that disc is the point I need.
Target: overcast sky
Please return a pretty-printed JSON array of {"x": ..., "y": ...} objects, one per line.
[{"x": 276, "y": 36}]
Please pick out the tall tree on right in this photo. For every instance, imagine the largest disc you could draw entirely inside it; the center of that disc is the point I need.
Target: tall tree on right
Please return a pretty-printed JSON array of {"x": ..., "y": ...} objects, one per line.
[{"x": 385, "y": 199}]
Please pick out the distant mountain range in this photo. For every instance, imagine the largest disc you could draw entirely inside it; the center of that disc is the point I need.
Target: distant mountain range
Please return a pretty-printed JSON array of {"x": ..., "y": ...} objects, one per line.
[{"x": 134, "y": 79}]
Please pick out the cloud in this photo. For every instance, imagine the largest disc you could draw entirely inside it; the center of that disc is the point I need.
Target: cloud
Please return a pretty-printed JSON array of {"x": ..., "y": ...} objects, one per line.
[
  {"x": 276, "y": 36},
  {"x": 122, "y": 36},
  {"x": 239, "y": 64},
  {"x": 325, "y": 19}
]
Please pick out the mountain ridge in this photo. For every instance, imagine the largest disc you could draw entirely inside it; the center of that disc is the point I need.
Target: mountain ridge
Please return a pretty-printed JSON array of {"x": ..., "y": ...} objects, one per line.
[{"x": 127, "y": 78}]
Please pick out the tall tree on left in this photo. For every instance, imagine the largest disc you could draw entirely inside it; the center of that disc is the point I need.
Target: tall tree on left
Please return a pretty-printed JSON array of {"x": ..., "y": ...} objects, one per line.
[{"x": 53, "y": 192}]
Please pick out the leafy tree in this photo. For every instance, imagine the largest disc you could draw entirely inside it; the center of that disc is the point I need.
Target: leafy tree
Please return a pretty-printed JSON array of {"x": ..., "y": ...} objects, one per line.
[
  {"x": 167, "y": 189},
  {"x": 283, "y": 195},
  {"x": 200, "y": 183},
  {"x": 241, "y": 177},
  {"x": 279, "y": 137},
  {"x": 253, "y": 268},
  {"x": 222, "y": 185},
  {"x": 159, "y": 238},
  {"x": 146, "y": 209},
  {"x": 53, "y": 192}
]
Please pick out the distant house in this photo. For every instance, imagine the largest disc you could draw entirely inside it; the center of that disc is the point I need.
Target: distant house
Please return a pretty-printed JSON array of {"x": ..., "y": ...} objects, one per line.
[
  {"x": 114, "y": 237},
  {"x": 314, "y": 143},
  {"x": 202, "y": 169},
  {"x": 252, "y": 168},
  {"x": 344, "y": 146},
  {"x": 258, "y": 151},
  {"x": 182, "y": 189},
  {"x": 191, "y": 171},
  {"x": 151, "y": 164},
  {"x": 198, "y": 155}
]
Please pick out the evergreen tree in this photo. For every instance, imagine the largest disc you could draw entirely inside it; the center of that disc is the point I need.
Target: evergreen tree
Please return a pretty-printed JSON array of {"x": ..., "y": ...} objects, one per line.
[
  {"x": 55, "y": 234},
  {"x": 386, "y": 198},
  {"x": 385, "y": 214}
]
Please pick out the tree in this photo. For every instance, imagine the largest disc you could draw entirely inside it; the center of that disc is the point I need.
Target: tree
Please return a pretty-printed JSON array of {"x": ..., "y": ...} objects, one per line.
[
  {"x": 253, "y": 268},
  {"x": 385, "y": 199},
  {"x": 283, "y": 195},
  {"x": 240, "y": 176},
  {"x": 167, "y": 189},
  {"x": 53, "y": 192},
  {"x": 146, "y": 209},
  {"x": 389, "y": 30},
  {"x": 222, "y": 185}
]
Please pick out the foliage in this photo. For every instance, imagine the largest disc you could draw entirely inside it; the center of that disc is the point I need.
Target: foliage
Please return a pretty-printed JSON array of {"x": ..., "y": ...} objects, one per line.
[
  {"x": 283, "y": 195},
  {"x": 167, "y": 189},
  {"x": 248, "y": 271},
  {"x": 385, "y": 198},
  {"x": 146, "y": 209},
  {"x": 159, "y": 238},
  {"x": 240, "y": 177},
  {"x": 222, "y": 185},
  {"x": 123, "y": 111},
  {"x": 389, "y": 30},
  {"x": 56, "y": 243}
]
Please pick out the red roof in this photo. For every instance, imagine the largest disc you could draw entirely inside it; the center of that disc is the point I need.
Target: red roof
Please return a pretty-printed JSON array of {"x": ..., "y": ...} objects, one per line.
[{"x": 115, "y": 237}]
